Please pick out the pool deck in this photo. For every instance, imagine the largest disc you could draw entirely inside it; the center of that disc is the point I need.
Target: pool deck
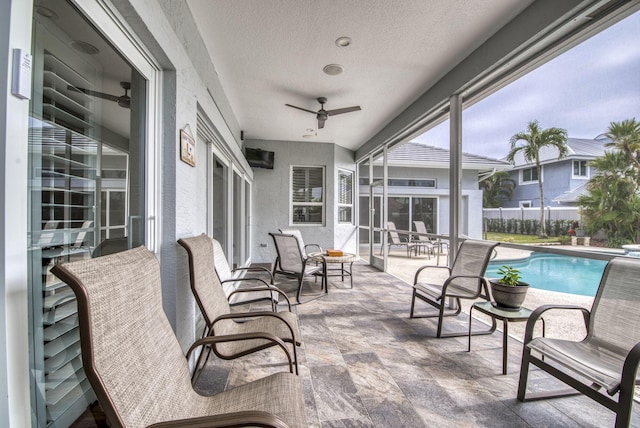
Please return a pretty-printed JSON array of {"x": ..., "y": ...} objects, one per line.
[{"x": 560, "y": 324}]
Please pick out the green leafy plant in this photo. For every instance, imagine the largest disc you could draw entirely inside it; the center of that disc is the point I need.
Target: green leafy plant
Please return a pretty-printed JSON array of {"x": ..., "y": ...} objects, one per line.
[{"x": 510, "y": 276}]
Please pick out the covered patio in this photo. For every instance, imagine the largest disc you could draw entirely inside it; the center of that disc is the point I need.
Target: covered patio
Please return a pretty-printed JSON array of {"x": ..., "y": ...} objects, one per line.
[{"x": 365, "y": 363}]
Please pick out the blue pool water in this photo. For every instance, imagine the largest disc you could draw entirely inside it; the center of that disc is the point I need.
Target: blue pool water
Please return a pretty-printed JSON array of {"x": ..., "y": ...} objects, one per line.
[{"x": 555, "y": 272}]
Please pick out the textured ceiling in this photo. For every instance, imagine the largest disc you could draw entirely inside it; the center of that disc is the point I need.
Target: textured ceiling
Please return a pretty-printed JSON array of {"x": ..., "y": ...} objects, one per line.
[{"x": 271, "y": 52}]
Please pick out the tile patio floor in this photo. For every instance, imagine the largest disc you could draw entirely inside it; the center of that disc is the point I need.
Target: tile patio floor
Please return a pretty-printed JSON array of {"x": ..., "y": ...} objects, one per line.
[{"x": 364, "y": 363}]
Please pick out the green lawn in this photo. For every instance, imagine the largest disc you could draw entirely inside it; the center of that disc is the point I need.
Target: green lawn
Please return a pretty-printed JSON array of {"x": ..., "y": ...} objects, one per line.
[{"x": 520, "y": 239}]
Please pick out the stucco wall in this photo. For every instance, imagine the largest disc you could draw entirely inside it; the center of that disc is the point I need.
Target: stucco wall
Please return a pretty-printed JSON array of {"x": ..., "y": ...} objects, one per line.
[
  {"x": 169, "y": 32},
  {"x": 271, "y": 193},
  {"x": 472, "y": 197}
]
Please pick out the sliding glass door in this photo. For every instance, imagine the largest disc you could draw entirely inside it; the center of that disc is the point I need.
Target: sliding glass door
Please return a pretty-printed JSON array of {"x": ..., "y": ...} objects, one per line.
[{"x": 87, "y": 157}]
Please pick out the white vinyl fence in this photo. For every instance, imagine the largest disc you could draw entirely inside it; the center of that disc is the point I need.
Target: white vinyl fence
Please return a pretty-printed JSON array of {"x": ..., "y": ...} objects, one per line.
[{"x": 533, "y": 213}]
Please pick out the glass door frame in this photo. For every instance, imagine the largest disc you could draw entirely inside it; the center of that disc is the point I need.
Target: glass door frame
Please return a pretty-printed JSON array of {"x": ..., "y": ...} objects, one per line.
[{"x": 377, "y": 261}]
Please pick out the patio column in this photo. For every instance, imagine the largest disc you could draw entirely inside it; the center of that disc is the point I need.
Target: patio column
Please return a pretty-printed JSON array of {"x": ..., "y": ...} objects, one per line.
[{"x": 455, "y": 171}]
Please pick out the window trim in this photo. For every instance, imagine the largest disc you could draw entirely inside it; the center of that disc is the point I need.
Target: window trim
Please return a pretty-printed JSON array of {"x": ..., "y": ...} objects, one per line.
[
  {"x": 586, "y": 170},
  {"x": 293, "y": 204},
  {"x": 351, "y": 205},
  {"x": 521, "y": 176}
]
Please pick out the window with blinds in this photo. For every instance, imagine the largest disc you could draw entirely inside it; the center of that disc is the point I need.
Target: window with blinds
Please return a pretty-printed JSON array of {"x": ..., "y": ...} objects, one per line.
[
  {"x": 345, "y": 196},
  {"x": 307, "y": 195}
]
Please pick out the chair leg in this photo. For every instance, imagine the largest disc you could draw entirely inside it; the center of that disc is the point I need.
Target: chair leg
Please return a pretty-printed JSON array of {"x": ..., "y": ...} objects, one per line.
[
  {"x": 524, "y": 374},
  {"x": 625, "y": 402},
  {"x": 440, "y": 319},
  {"x": 413, "y": 302},
  {"x": 300, "y": 279},
  {"x": 295, "y": 356}
]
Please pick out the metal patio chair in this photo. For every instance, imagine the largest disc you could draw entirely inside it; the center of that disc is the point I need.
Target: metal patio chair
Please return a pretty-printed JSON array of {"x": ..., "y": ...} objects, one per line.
[
  {"x": 291, "y": 260},
  {"x": 219, "y": 318},
  {"x": 604, "y": 365},
  {"x": 396, "y": 241},
  {"x": 303, "y": 247},
  {"x": 234, "y": 287},
  {"x": 424, "y": 241},
  {"x": 465, "y": 281},
  {"x": 136, "y": 365}
]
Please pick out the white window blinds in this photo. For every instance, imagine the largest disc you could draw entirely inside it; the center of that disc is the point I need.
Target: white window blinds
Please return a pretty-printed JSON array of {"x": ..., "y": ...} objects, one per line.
[
  {"x": 307, "y": 195},
  {"x": 345, "y": 196}
]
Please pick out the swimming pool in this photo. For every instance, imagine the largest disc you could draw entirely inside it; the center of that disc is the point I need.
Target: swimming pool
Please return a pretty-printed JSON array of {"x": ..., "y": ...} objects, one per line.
[{"x": 554, "y": 272}]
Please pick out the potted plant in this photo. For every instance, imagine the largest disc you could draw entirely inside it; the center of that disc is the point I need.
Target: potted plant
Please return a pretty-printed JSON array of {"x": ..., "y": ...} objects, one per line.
[
  {"x": 577, "y": 232},
  {"x": 508, "y": 291}
]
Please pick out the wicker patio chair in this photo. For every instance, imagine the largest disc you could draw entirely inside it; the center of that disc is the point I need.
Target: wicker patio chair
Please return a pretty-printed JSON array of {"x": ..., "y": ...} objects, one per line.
[
  {"x": 136, "y": 366},
  {"x": 291, "y": 260},
  {"x": 605, "y": 363},
  {"x": 465, "y": 281},
  {"x": 257, "y": 290},
  {"x": 215, "y": 308}
]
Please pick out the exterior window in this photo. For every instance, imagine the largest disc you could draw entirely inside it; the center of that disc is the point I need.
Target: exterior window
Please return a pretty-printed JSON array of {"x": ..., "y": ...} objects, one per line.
[
  {"x": 525, "y": 204},
  {"x": 580, "y": 168},
  {"x": 529, "y": 175},
  {"x": 403, "y": 182},
  {"x": 345, "y": 196},
  {"x": 307, "y": 194}
]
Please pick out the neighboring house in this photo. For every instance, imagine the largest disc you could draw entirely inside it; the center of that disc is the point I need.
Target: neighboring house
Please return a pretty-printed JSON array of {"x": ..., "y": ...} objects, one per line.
[
  {"x": 419, "y": 188},
  {"x": 564, "y": 180}
]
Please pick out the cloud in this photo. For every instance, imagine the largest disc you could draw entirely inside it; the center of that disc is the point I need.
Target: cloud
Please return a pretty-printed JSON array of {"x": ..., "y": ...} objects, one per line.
[{"x": 583, "y": 91}]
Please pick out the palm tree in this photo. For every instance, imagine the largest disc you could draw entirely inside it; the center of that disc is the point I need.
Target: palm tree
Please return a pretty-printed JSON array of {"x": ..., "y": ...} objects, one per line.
[
  {"x": 613, "y": 203},
  {"x": 625, "y": 136},
  {"x": 535, "y": 138},
  {"x": 496, "y": 188}
]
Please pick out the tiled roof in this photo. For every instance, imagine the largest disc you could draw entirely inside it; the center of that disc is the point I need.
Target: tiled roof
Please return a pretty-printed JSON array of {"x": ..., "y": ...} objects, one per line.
[
  {"x": 423, "y": 155},
  {"x": 579, "y": 148},
  {"x": 572, "y": 195}
]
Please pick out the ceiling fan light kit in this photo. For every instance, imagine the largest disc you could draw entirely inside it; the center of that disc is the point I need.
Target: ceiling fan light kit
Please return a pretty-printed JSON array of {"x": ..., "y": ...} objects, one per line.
[{"x": 322, "y": 115}]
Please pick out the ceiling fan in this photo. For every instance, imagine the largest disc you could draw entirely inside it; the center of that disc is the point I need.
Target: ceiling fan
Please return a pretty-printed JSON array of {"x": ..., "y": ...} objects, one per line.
[
  {"x": 123, "y": 101},
  {"x": 322, "y": 115}
]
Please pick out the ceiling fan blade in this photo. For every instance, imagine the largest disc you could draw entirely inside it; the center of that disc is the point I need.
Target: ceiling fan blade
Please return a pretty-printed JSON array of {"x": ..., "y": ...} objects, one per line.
[
  {"x": 300, "y": 108},
  {"x": 343, "y": 110},
  {"x": 321, "y": 122},
  {"x": 95, "y": 93}
]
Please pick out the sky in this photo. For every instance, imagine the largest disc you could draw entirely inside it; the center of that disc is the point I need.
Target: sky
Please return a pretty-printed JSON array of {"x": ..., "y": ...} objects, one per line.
[{"x": 582, "y": 91}]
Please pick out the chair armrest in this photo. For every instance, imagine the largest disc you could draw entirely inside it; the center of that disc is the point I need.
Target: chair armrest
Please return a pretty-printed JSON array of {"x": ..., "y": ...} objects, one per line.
[
  {"x": 415, "y": 278},
  {"x": 212, "y": 340},
  {"x": 483, "y": 281},
  {"x": 227, "y": 420},
  {"x": 320, "y": 250},
  {"x": 255, "y": 269},
  {"x": 537, "y": 314},
  {"x": 629, "y": 370},
  {"x": 257, "y": 314},
  {"x": 266, "y": 288}
]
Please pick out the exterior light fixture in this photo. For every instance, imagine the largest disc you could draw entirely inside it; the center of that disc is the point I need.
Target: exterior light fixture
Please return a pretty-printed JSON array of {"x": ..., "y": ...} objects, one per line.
[
  {"x": 343, "y": 42},
  {"x": 333, "y": 69}
]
